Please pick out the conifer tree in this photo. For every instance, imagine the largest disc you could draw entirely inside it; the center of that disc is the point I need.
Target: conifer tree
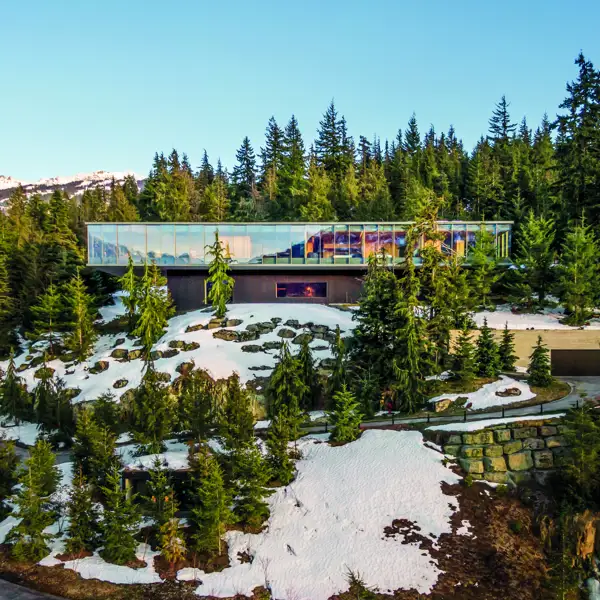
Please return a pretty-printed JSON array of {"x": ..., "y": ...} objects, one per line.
[
  {"x": 196, "y": 405},
  {"x": 250, "y": 476},
  {"x": 244, "y": 172},
  {"x": 172, "y": 541},
  {"x": 578, "y": 274},
  {"x": 506, "y": 350},
  {"x": 154, "y": 413},
  {"x": 8, "y": 473},
  {"x": 82, "y": 334},
  {"x": 501, "y": 128},
  {"x": 215, "y": 202},
  {"x": 278, "y": 437},
  {"x": 107, "y": 413},
  {"x": 463, "y": 359},
  {"x": 483, "y": 267},
  {"x": 120, "y": 209},
  {"x": 286, "y": 386},
  {"x": 539, "y": 365},
  {"x": 237, "y": 419},
  {"x": 337, "y": 379},
  {"x": 54, "y": 409},
  {"x": 45, "y": 473},
  {"x": 16, "y": 401},
  {"x": 7, "y": 309},
  {"x": 130, "y": 284},
  {"x": 120, "y": 522},
  {"x": 221, "y": 282},
  {"x": 82, "y": 532},
  {"x": 316, "y": 205},
  {"x": 159, "y": 502},
  {"x": 308, "y": 375},
  {"x": 155, "y": 308},
  {"x": 46, "y": 315},
  {"x": 86, "y": 440},
  {"x": 291, "y": 182},
  {"x": 211, "y": 512},
  {"x": 487, "y": 355},
  {"x": 345, "y": 417}
]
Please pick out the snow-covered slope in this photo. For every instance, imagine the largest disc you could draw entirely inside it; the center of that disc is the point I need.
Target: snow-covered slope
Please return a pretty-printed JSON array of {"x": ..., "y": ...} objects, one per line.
[{"x": 75, "y": 184}]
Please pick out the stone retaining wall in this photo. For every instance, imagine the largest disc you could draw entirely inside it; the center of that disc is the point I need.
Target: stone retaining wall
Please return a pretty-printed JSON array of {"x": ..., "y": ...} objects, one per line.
[{"x": 509, "y": 453}]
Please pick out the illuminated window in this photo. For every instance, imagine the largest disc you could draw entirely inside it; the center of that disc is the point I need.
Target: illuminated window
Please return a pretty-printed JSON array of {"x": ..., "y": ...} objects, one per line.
[{"x": 302, "y": 290}]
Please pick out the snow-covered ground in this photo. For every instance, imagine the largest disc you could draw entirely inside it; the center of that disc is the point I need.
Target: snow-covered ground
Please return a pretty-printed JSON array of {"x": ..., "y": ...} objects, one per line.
[
  {"x": 25, "y": 432},
  {"x": 483, "y": 423},
  {"x": 485, "y": 396},
  {"x": 549, "y": 318},
  {"x": 220, "y": 358}
]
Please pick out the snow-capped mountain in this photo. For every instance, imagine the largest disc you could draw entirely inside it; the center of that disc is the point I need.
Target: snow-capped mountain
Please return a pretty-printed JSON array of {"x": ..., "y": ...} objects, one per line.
[{"x": 73, "y": 185}]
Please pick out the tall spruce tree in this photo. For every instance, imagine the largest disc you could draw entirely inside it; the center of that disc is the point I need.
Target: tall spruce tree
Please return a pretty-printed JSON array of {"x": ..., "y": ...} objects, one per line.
[
  {"x": 221, "y": 283},
  {"x": 308, "y": 374},
  {"x": 539, "y": 365},
  {"x": 279, "y": 461},
  {"x": 337, "y": 379},
  {"x": 82, "y": 334},
  {"x": 16, "y": 402},
  {"x": 463, "y": 359},
  {"x": 159, "y": 501},
  {"x": 47, "y": 315},
  {"x": 54, "y": 409},
  {"x": 345, "y": 417},
  {"x": 8, "y": 473},
  {"x": 316, "y": 205},
  {"x": 286, "y": 386},
  {"x": 237, "y": 419},
  {"x": 7, "y": 309},
  {"x": 131, "y": 286},
  {"x": 506, "y": 350},
  {"x": 487, "y": 353},
  {"x": 197, "y": 413},
  {"x": 82, "y": 532}
]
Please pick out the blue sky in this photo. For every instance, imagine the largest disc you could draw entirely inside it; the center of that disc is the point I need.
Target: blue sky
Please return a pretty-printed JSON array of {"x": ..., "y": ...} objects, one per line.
[{"x": 103, "y": 84}]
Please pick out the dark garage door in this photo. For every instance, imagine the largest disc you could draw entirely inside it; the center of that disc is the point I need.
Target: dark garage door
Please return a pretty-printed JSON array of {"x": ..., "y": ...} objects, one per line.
[{"x": 575, "y": 362}]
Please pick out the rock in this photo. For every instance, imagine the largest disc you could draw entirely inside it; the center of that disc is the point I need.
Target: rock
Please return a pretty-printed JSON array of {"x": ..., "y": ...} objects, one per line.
[
  {"x": 70, "y": 371},
  {"x": 442, "y": 405},
  {"x": 548, "y": 430},
  {"x": 99, "y": 367},
  {"x": 452, "y": 449},
  {"x": 496, "y": 476},
  {"x": 44, "y": 372},
  {"x": 543, "y": 459},
  {"x": 330, "y": 337},
  {"x": 213, "y": 325},
  {"x": 233, "y": 322},
  {"x": 120, "y": 383},
  {"x": 520, "y": 477},
  {"x": 226, "y": 334},
  {"x": 252, "y": 327},
  {"x": 512, "y": 447},
  {"x": 196, "y": 327},
  {"x": 479, "y": 438},
  {"x": 29, "y": 357},
  {"x": 246, "y": 336},
  {"x": 133, "y": 354},
  {"x": 493, "y": 451},
  {"x": 156, "y": 354},
  {"x": 506, "y": 393},
  {"x": 252, "y": 348},
  {"x": 276, "y": 321},
  {"x": 494, "y": 463},
  {"x": 561, "y": 455},
  {"x": 555, "y": 441},
  {"x": 120, "y": 354},
  {"x": 455, "y": 439},
  {"x": 476, "y": 476},
  {"x": 561, "y": 429},
  {"x": 286, "y": 333},
  {"x": 263, "y": 368},
  {"x": 176, "y": 344},
  {"x": 524, "y": 432},
  {"x": 502, "y": 435},
  {"x": 327, "y": 363},
  {"x": 533, "y": 444},
  {"x": 317, "y": 348},
  {"x": 22, "y": 368},
  {"x": 118, "y": 342},
  {"x": 67, "y": 357},
  {"x": 272, "y": 345},
  {"x": 520, "y": 461},
  {"x": 170, "y": 352},
  {"x": 319, "y": 336},
  {"x": 265, "y": 327},
  {"x": 303, "y": 337},
  {"x": 322, "y": 329},
  {"x": 185, "y": 367},
  {"x": 470, "y": 465},
  {"x": 471, "y": 452},
  {"x": 189, "y": 346},
  {"x": 293, "y": 323}
]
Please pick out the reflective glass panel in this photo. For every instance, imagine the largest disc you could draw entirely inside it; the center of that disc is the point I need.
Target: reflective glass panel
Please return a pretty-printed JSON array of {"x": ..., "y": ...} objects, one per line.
[
  {"x": 255, "y": 234},
  {"x": 132, "y": 242},
  {"x": 302, "y": 290},
  {"x": 327, "y": 245},
  {"x": 189, "y": 242},
  {"x": 161, "y": 244},
  {"x": 471, "y": 231},
  {"x": 236, "y": 242},
  {"x": 386, "y": 240},
  {"x": 283, "y": 234},
  {"x": 371, "y": 240},
  {"x": 95, "y": 244},
  {"x": 355, "y": 241},
  {"x": 342, "y": 247},
  {"x": 459, "y": 239},
  {"x": 297, "y": 233},
  {"x": 446, "y": 247},
  {"x": 313, "y": 244},
  {"x": 399, "y": 242},
  {"x": 109, "y": 244},
  {"x": 268, "y": 240}
]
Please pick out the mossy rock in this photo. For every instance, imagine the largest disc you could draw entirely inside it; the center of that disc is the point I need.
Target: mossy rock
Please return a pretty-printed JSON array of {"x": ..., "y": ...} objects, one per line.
[
  {"x": 272, "y": 345},
  {"x": 170, "y": 352},
  {"x": 120, "y": 354},
  {"x": 233, "y": 322},
  {"x": 543, "y": 459},
  {"x": 22, "y": 367},
  {"x": 99, "y": 367},
  {"x": 252, "y": 327},
  {"x": 556, "y": 441},
  {"x": 521, "y": 433},
  {"x": 67, "y": 357},
  {"x": 44, "y": 372},
  {"x": 496, "y": 476},
  {"x": 471, "y": 452},
  {"x": 247, "y": 336},
  {"x": 37, "y": 361},
  {"x": 265, "y": 326},
  {"x": 156, "y": 354},
  {"x": 226, "y": 334},
  {"x": 329, "y": 337},
  {"x": 214, "y": 324},
  {"x": 520, "y": 461},
  {"x": 163, "y": 377},
  {"x": 493, "y": 451},
  {"x": 471, "y": 465},
  {"x": 319, "y": 336},
  {"x": 29, "y": 357},
  {"x": 478, "y": 438},
  {"x": 120, "y": 383},
  {"x": 452, "y": 449},
  {"x": 185, "y": 368},
  {"x": 119, "y": 341},
  {"x": 134, "y": 354},
  {"x": 252, "y": 348},
  {"x": 179, "y": 344},
  {"x": 317, "y": 348},
  {"x": 276, "y": 320},
  {"x": 189, "y": 346},
  {"x": 512, "y": 447},
  {"x": 302, "y": 338},
  {"x": 286, "y": 333},
  {"x": 322, "y": 329},
  {"x": 196, "y": 327},
  {"x": 71, "y": 393},
  {"x": 494, "y": 463},
  {"x": 293, "y": 323},
  {"x": 502, "y": 435},
  {"x": 533, "y": 443}
]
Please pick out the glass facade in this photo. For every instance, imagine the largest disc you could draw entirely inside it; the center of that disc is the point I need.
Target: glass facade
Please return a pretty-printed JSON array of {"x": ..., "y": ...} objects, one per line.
[
  {"x": 313, "y": 289},
  {"x": 183, "y": 244}
]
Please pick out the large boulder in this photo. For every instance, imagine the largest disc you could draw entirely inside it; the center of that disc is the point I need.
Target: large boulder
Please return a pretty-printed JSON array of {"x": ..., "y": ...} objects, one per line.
[
  {"x": 272, "y": 345},
  {"x": 507, "y": 392},
  {"x": 233, "y": 322},
  {"x": 520, "y": 461},
  {"x": 276, "y": 320},
  {"x": 156, "y": 354},
  {"x": 302, "y": 338},
  {"x": 442, "y": 405},
  {"x": 196, "y": 327},
  {"x": 286, "y": 333},
  {"x": 189, "y": 346},
  {"x": 120, "y": 383},
  {"x": 494, "y": 463},
  {"x": 543, "y": 459},
  {"x": 185, "y": 368},
  {"x": 170, "y": 352},
  {"x": 247, "y": 336},
  {"x": 179, "y": 344},
  {"x": 322, "y": 329},
  {"x": 265, "y": 327},
  {"x": 133, "y": 354},
  {"x": 214, "y": 324},
  {"x": 252, "y": 348},
  {"x": 293, "y": 323},
  {"x": 471, "y": 465},
  {"x": 226, "y": 334},
  {"x": 121, "y": 354},
  {"x": 99, "y": 367}
]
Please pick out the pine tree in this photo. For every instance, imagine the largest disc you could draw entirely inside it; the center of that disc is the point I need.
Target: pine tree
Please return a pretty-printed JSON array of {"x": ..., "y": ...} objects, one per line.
[
  {"x": 278, "y": 459},
  {"x": 539, "y": 365},
  {"x": 244, "y": 172},
  {"x": 578, "y": 274},
  {"x": 463, "y": 359},
  {"x": 120, "y": 209},
  {"x": 501, "y": 128},
  {"x": 54, "y": 409},
  {"x": 237, "y": 419},
  {"x": 8, "y": 473},
  {"x": 159, "y": 501},
  {"x": 215, "y": 203},
  {"x": 483, "y": 267},
  {"x": 120, "y": 522},
  {"x": 345, "y": 417},
  {"x": 286, "y": 386},
  {"x": 172, "y": 541},
  {"x": 210, "y": 513},
  {"x": 82, "y": 532},
  {"x": 506, "y": 350},
  {"x": 155, "y": 308},
  {"x": 16, "y": 401},
  {"x": 221, "y": 290},
  {"x": 308, "y": 375},
  {"x": 250, "y": 476},
  {"x": 196, "y": 405},
  {"x": 44, "y": 472},
  {"x": 7, "y": 309},
  {"x": 486, "y": 355},
  {"x": 337, "y": 379},
  {"x": 316, "y": 205},
  {"x": 107, "y": 413},
  {"x": 130, "y": 284},
  {"x": 291, "y": 182},
  {"x": 46, "y": 315},
  {"x": 82, "y": 334}
]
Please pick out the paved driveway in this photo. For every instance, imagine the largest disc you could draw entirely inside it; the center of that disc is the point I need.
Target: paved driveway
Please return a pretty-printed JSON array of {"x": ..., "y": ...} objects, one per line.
[{"x": 10, "y": 591}]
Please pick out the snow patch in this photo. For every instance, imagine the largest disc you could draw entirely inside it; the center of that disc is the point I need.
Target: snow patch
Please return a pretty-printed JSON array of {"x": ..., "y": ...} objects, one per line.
[{"x": 549, "y": 318}]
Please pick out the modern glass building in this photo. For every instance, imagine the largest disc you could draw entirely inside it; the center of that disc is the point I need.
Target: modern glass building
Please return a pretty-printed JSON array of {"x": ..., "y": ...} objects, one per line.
[{"x": 273, "y": 261}]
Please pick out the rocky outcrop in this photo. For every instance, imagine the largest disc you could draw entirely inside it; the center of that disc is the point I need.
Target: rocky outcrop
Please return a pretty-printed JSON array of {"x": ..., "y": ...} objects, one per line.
[
  {"x": 120, "y": 383},
  {"x": 226, "y": 334},
  {"x": 120, "y": 354},
  {"x": 99, "y": 367}
]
